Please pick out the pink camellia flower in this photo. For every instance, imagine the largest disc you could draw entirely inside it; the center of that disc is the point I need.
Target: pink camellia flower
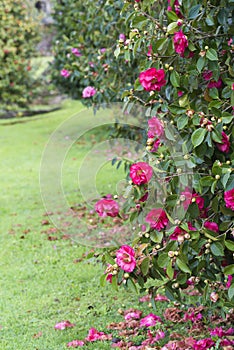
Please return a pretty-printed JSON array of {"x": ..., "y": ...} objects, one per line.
[
  {"x": 94, "y": 335},
  {"x": 229, "y": 199},
  {"x": 150, "y": 320},
  {"x": 65, "y": 73},
  {"x": 229, "y": 281},
  {"x": 203, "y": 344},
  {"x": 220, "y": 332},
  {"x": 152, "y": 79},
  {"x": 225, "y": 145},
  {"x": 179, "y": 233},
  {"x": 132, "y": 314},
  {"x": 140, "y": 173},
  {"x": 103, "y": 50},
  {"x": 156, "y": 144},
  {"x": 180, "y": 42},
  {"x": 180, "y": 93},
  {"x": 126, "y": 258},
  {"x": 215, "y": 84},
  {"x": 157, "y": 218},
  {"x": 156, "y": 127},
  {"x": 192, "y": 317},
  {"x": 212, "y": 226},
  {"x": 76, "y": 52},
  {"x": 150, "y": 50},
  {"x": 189, "y": 197},
  {"x": 88, "y": 92},
  {"x": 75, "y": 343},
  {"x": 160, "y": 297},
  {"x": 63, "y": 325},
  {"x": 207, "y": 74},
  {"x": 214, "y": 297},
  {"x": 107, "y": 207},
  {"x": 227, "y": 344}
]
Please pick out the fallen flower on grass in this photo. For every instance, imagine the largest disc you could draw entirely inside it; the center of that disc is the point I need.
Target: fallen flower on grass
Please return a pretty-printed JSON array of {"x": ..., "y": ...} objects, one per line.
[
  {"x": 63, "y": 325},
  {"x": 94, "y": 335},
  {"x": 150, "y": 320},
  {"x": 75, "y": 343}
]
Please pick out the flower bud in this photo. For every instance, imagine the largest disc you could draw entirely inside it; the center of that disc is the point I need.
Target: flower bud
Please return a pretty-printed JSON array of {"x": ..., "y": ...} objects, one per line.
[
  {"x": 217, "y": 177},
  {"x": 171, "y": 254},
  {"x": 126, "y": 275}
]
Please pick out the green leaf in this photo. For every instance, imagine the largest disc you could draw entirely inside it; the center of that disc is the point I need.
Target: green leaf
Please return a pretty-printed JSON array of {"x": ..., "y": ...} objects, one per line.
[
  {"x": 172, "y": 28},
  {"x": 145, "y": 266},
  {"x": 170, "y": 271},
  {"x": 172, "y": 16},
  {"x": 229, "y": 270},
  {"x": 229, "y": 245},
  {"x": 163, "y": 260},
  {"x": 169, "y": 135},
  {"x": 231, "y": 291},
  {"x": 175, "y": 78},
  {"x": 156, "y": 236},
  {"x": 194, "y": 12},
  {"x": 182, "y": 266},
  {"x": 207, "y": 180},
  {"x": 117, "y": 52},
  {"x": 201, "y": 63},
  {"x": 103, "y": 280},
  {"x": 217, "y": 249},
  {"x": 114, "y": 283},
  {"x": 182, "y": 121},
  {"x": 198, "y": 136},
  {"x": 211, "y": 54}
]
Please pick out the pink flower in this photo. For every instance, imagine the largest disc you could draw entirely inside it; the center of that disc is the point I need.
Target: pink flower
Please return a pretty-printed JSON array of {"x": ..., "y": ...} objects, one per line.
[
  {"x": 229, "y": 281},
  {"x": 126, "y": 258},
  {"x": 233, "y": 86},
  {"x": 150, "y": 50},
  {"x": 160, "y": 297},
  {"x": 65, "y": 73},
  {"x": 226, "y": 343},
  {"x": 192, "y": 316},
  {"x": 88, "y": 92},
  {"x": 122, "y": 37},
  {"x": 150, "y": 320},
  {"x": 215, "y": 84},
  {"x": 140, "y": 173},
  {"x": 107, "y": 207},
  {"x": 212, "y": 226},
  {"x": 94, "y": 335},
  {"x": 132, "y": 314},
  {"x": 214, "y": 297},
  {"x": 180, "y": 42},
  {"x": 75, "y": 343},
  {"x": 204, "y": 344},
  {"x": 63, "y": 325},
  {"x": 156, "y": 127},
  {"x": 225, "y": 144},
  {"x": 76, "y": 52},
  {"x": 180, "y": 93},
  {"x": 207, "y": 74},
  {"x": 152, "y": 79},
  {"x": 156, "y": 144},
  {"x": 219, "y": 332},
  {"x": 229, "y": 199},
  {"x": 192, "y": 197},
  {"x": 103, "y": 50},
  {"x": 157, "y": 219},
  {"x": 179, "y": 233}
]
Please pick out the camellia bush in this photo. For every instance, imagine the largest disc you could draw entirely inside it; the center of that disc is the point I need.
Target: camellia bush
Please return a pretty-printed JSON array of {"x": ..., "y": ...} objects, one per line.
[
  {"x": 19, "y": 35},
  {"x": 85, "y": 66},
  {"x": 181, "y": 193}
]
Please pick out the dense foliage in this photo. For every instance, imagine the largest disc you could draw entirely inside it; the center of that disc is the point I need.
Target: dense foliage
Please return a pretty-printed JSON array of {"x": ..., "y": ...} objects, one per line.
[
  {"x": 18, "y": 38},
  {"x": 181, "y": 196},
  {"x": 86, "y": 37}
]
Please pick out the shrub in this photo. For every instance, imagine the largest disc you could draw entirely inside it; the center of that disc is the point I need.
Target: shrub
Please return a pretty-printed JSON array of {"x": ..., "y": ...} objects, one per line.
[
  {"x": 84, "y": 51},
  {"x": 185, "y": 232},
  {"x": 18, "y": 38}
]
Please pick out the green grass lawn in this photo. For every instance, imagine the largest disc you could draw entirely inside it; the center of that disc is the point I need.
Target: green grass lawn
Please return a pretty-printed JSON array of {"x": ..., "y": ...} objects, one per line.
[{"x": 40, "y": 282}]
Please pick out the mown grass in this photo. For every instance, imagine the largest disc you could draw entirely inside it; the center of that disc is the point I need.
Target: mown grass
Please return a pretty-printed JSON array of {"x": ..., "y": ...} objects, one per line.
[{"x": 41, "y": 282}]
